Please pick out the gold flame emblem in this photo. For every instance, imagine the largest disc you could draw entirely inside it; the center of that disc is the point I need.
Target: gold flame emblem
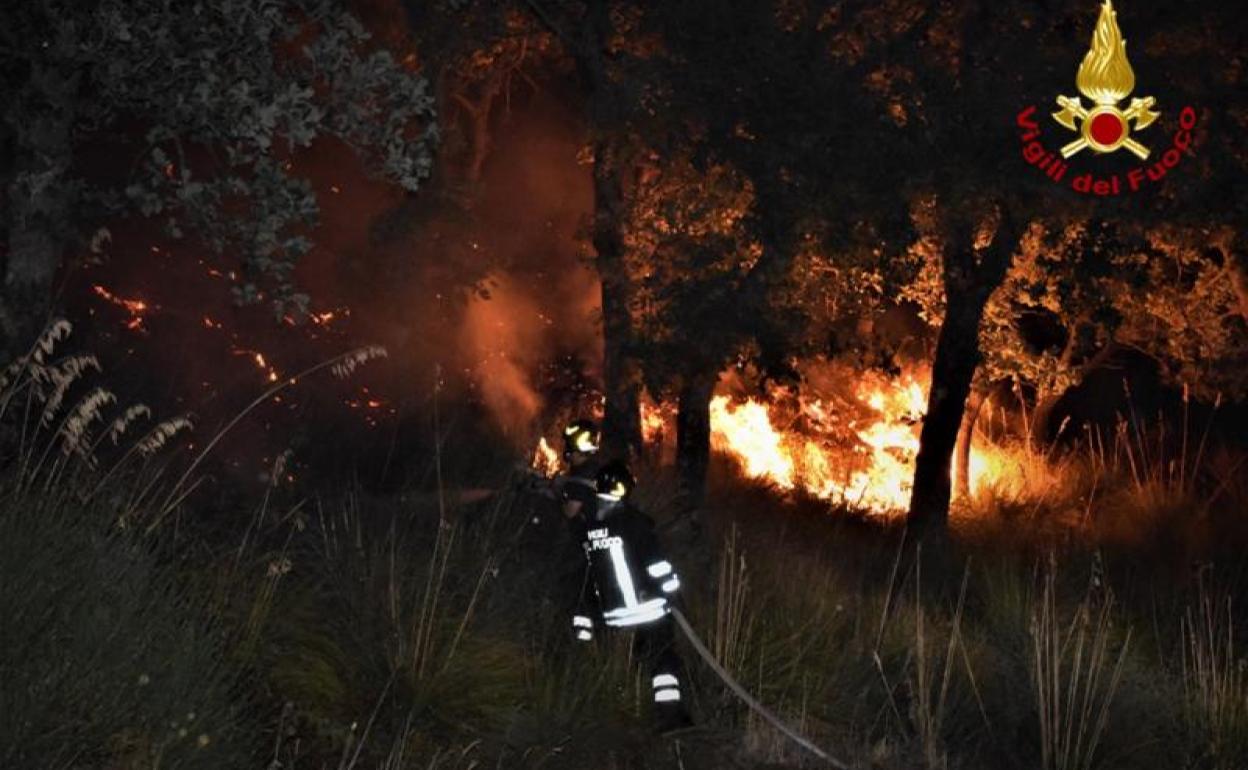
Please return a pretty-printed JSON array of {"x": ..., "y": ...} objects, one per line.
[{"x": 1106, "y": 77}]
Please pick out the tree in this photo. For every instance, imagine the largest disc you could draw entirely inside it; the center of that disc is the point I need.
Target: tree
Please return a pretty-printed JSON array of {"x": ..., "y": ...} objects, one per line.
[
  {"x": 863, "y": 114},
  {"x": 942, "y": 70},
  {"x": 614, "y": 67},
  {"x": 745, "y": 99},
  {"x": 475, "y": 52},
  {"x": 687, "y": 252},
  {"x": 210, "y": 101},
  {"x": 1076, "y": 299}
]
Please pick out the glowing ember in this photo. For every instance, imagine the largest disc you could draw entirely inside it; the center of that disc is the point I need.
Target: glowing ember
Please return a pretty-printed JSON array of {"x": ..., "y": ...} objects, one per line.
[
  {"x": 372, "y": 405},
  {"x": 545, "y": 459},
  {"x": 261, "y": 363},
  {"x": 135, "y": 307}
]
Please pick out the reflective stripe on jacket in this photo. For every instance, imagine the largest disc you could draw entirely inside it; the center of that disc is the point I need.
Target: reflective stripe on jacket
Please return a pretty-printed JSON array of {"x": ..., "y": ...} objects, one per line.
[{"x": 630, "y": 576}]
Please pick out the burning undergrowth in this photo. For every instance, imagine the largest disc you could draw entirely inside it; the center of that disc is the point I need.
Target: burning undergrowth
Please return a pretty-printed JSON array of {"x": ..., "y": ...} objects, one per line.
[{"x": 844, "y": 435}]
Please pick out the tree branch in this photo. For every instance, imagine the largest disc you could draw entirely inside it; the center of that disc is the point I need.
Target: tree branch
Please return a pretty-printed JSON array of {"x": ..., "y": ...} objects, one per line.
[
  {"x": 554, "y": 27},
  {"x": 470, "y": 108}
]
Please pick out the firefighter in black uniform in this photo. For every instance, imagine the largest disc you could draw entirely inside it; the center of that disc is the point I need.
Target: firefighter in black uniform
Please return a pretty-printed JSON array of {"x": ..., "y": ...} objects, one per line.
[
  {"x": 576, "y": 488},
  {"x": 629, "y": 586}
]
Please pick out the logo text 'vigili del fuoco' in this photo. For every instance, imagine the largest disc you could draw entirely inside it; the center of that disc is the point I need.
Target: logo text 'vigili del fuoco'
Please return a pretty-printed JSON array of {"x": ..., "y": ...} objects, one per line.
[{"x": 1103, "y": 127}]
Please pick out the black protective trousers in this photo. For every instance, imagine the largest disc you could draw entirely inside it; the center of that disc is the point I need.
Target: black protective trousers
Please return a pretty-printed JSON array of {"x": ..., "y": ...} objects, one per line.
[{"x": 654, "y": 649}]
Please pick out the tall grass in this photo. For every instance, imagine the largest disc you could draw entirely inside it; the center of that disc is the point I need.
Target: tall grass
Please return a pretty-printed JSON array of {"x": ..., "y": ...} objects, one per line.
[
  {"x": 1077, "y": 666},
  {"x": 102, "y": 657},
  {"x": 731, "y": 622},
  {"x": 344, "y": 630},
  {"x": 1215, "y": 681},
  {"x": 932, "y": 677},
  {"x": 105, "y": 658}
]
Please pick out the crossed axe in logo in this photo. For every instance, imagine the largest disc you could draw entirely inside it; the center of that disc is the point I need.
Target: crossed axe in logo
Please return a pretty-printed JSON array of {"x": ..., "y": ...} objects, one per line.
[{"x": 1105, "y": 128}]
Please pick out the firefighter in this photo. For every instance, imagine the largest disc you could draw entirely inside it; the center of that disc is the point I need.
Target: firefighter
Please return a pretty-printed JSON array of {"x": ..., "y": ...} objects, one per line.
[
  {"x": 577, "y": 493},
  {"x": 630, "y": 585}
]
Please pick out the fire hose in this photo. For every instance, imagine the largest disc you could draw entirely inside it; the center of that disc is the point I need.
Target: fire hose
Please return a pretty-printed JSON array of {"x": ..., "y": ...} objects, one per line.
[{"x": 749, "y": 700}]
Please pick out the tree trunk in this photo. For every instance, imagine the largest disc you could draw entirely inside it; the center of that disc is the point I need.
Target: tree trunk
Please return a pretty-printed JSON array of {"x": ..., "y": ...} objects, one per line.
[
  {"x": 693, "y": 438},
  {"x": 1041, "y": 430},
  {"x": 480, "y": 140},
  {"x": 970, "y": 276},
  {"x": 621, "y": 379},
  {"x": 957, "y": 356},
  {"x": 1042, "y": 421},
  {"x": 966, "y": 435},
  {"x": 621, "y": 424}
]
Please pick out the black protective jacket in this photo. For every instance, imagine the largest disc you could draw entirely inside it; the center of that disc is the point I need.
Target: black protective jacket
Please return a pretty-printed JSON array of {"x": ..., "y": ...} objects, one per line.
[
  {"x": 629, "y": 580},
  {"x": 579, "y": 484}
]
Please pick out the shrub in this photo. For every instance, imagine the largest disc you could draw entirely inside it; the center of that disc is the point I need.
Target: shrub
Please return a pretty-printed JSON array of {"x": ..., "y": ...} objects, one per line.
[{"x": 104, "y": 662}]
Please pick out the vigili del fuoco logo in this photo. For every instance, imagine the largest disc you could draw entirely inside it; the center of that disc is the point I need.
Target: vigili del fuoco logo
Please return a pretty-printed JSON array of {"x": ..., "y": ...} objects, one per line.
[{"x": 1103, "y": 127}]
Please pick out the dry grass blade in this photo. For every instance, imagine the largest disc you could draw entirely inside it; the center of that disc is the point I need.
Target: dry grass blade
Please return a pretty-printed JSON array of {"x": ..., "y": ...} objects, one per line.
[
  {"x": 1215, "y": 681},
  {"x": 1075, "y": 674},
  {"x": 929, "y": 717},
  {"x": 344, "y": 363},
  {"x": 729, "y": 632}
]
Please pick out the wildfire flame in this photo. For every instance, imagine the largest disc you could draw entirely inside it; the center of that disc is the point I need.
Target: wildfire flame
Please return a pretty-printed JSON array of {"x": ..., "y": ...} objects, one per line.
[
  {"x": 545, "y": 459},
  {"x": 653, "y": 423},
  {"x": 746, "y": 432},
  {"x": 1105, "y": 76},
  {"x": 873, "y": 472},
  {"x": 858, "y": 450}
]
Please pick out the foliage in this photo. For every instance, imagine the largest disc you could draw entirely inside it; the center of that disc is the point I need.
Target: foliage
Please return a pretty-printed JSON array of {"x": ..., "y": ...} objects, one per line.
[
  {"x": 211, "y": 101},
  {"x": 1077, "y": 294},
  {"x": 687, "y": 252},
  {"x": 1173, "y": 292}
]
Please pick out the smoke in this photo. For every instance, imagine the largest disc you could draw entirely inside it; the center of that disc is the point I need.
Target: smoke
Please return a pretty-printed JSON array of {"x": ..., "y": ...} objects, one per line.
[
  {"x": 505, "y": 333},
  {"x": 541, "y": 301},
  {"x": 518, "y": 234},
  {"x": 386, "y": 269}
]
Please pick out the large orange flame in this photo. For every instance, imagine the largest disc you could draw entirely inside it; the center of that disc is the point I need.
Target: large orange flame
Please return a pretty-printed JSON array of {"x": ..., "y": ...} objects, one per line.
[
  {"x": 873, "y": 472},
  {"x": 857, "y": 450},
  {"x": 746, "y": 432}
]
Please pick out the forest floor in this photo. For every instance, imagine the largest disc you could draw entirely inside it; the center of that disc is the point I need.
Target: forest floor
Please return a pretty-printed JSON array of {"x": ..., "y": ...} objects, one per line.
[{"x": 1095, "y": 626}]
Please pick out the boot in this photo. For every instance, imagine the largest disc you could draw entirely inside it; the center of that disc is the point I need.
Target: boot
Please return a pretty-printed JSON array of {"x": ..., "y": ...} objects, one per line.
[{"x": 672, "y": 719}]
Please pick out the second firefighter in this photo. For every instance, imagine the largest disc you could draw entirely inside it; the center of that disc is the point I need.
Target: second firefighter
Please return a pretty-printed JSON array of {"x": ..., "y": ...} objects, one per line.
[{"x": 630, "y": 585}]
